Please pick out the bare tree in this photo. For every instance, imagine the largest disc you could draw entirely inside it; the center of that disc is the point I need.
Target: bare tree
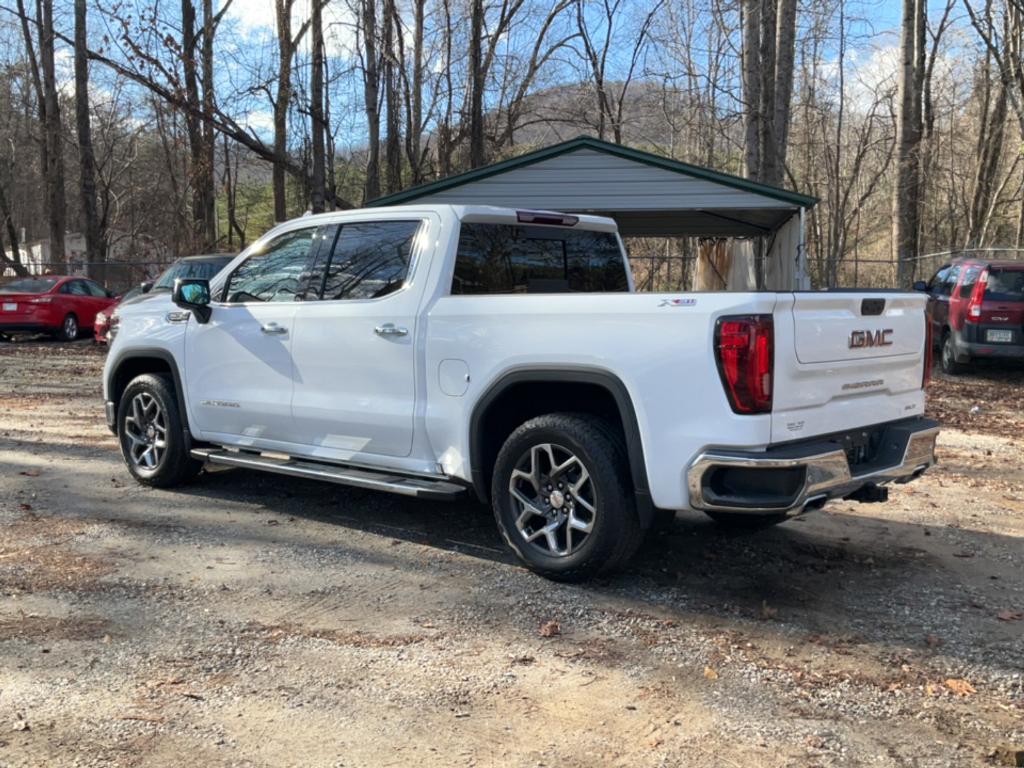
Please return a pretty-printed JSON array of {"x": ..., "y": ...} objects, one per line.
[
  {"x": 95, "y": 248},
  {"x": 769, "y": 39},
  {"x": 906, "y": 206}
]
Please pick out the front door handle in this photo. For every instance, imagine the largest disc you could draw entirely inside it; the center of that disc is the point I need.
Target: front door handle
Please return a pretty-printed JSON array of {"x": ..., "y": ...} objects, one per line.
[
  {"x": 390, "y": 329},
  {"x": 273, "y": 329}
]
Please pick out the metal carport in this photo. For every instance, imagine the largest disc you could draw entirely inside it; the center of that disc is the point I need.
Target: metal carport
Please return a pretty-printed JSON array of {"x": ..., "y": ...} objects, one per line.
[{"x": 648, "y": 195}]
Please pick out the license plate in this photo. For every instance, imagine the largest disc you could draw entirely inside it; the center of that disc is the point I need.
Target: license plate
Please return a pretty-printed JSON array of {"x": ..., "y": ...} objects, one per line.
[
  {"x": 10, "y": 307},
  {"x": 999, "y": 335}
]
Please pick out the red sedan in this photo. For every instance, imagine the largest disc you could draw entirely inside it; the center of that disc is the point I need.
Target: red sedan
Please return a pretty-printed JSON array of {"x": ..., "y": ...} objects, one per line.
[{"x": 61, "y": 306}]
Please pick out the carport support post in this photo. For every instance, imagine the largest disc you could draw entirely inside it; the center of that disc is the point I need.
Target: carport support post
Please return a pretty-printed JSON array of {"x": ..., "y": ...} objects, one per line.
[{"x": 802, "y": 279}]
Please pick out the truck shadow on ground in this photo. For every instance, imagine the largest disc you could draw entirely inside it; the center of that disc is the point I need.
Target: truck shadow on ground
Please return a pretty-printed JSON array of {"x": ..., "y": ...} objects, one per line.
[{"x": 867, "y": 579}]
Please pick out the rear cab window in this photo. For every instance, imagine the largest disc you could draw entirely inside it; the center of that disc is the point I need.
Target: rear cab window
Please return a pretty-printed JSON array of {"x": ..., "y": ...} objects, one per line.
[{"x": 524, "y": 258}]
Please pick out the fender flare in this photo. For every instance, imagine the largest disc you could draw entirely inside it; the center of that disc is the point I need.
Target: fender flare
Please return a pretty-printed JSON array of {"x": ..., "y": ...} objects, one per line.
[
  {"x": 568, "y": 375},
  {"x": 160, "y": 354}
]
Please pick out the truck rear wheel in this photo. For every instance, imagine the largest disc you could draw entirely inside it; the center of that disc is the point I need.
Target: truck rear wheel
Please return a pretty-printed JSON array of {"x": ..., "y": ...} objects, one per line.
[
  {"x": 563, "y": 499},
  {"x": 151, "y": 433}
]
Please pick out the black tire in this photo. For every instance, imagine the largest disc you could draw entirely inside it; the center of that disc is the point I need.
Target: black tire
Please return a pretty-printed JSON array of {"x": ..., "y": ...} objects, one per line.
[
  {"x": 742, "y": 521},
  {"x": 171, "y": 463},
  {"x": 69, "y": 329},
  {"x": 615, "y": 532},
  {"x": 947, "y": 358}
]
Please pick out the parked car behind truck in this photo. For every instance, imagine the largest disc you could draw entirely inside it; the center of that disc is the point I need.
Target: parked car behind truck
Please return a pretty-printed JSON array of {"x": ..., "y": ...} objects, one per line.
[
  {"x": 436, "y": 351},
  {"x": 58, "y": 305},
  {"x": 976, "y": 310}
]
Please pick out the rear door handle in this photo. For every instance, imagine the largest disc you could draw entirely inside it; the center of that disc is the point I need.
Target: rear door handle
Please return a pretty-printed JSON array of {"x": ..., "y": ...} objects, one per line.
[
  {"x": 273, "y": 329},
  {"x": 390, "y": 329}
]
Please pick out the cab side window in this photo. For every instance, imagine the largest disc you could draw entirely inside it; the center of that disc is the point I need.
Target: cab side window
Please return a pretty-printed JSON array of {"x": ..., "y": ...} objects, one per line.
[
  {"x": 274, "y": 273},
  {"x": 370, "y": 259}
]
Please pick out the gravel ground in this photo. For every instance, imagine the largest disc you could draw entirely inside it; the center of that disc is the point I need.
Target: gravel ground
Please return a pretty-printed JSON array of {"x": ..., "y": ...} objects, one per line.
[{"x": 250, "y": 620}]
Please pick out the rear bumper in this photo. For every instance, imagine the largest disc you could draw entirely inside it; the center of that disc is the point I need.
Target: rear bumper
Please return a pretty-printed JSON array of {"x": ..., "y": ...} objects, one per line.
[
  {"x": 794, "y": 477},
  {"x": 26, "y": 327},
  {"x": 1000, "y": 351}
]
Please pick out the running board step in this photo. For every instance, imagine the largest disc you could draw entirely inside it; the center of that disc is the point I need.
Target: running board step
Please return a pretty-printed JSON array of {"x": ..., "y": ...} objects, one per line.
[{"x": 423, "y": 488}]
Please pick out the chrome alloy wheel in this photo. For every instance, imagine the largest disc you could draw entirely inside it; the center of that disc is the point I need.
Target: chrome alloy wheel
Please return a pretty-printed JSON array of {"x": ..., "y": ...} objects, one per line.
[
  {"x": 145, "y": 426},
  {"x": 553, "y": 499},
  {"x": 70, "y": 327}
]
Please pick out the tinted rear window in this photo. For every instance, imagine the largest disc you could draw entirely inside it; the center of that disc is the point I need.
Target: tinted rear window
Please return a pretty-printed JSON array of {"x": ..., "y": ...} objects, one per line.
[
  {"x": 29, "y": 285},
  {"x": 500, "y": 258},
  {"x": 1005, "y": 285}
]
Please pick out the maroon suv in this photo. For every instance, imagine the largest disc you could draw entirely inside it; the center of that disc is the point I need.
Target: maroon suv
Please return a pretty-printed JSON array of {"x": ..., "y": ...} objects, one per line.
[{"x": 976, "y": 309}]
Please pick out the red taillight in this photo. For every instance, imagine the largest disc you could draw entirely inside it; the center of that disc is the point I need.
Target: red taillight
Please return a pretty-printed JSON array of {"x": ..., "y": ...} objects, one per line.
[
  {"x": 926, "y": 376},
  {"x": 977, "y": 295},
  {"x": 745, "y": 352}
]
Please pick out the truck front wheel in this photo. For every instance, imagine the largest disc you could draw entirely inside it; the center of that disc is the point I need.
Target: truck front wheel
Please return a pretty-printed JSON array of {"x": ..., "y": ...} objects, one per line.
[
  {"x": 152, "y": 435},
  {"x": 562, "y": 497}
]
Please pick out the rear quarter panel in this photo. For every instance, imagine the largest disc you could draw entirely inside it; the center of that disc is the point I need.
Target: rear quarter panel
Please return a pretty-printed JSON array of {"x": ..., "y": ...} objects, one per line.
[{"x": 659, "y": 346}]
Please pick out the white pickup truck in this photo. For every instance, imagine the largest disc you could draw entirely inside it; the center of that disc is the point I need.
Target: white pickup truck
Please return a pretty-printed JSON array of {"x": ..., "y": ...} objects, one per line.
[{"x": 437, "y": 350}]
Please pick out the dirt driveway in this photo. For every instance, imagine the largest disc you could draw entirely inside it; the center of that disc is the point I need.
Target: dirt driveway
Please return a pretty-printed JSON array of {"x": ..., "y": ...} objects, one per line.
[{"x": 251, "y": 620}]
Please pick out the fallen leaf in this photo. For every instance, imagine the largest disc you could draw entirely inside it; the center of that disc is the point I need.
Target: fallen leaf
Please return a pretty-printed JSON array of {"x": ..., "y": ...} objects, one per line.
[
  {"x": 550, "y": 628},
  {"x": 767, "y": 612},
  {"x": 932, "y": 641},
  {"x": 1010, "y": 615},
  {"x": 30, "y": 472},
  {"x": 24, "y": 507},
  {"x": 273, "y": 522},
  {"x": 960, "y": 687},
  {"x": 710, "y": 674},
  {"x": 21, "y": 725}
]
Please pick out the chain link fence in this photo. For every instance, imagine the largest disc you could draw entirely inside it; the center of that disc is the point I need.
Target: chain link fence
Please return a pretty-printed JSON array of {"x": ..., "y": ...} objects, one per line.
[
  {"x": 671, "y": 270},
  {"x": 117, "y": 276}
]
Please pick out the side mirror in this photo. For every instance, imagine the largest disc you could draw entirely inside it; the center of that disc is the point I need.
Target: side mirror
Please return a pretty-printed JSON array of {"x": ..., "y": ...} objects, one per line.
[
  {"x": 193, "y": 294},
  {"x": 921, "y": 285},
  {"x": 146, "y": 286}
]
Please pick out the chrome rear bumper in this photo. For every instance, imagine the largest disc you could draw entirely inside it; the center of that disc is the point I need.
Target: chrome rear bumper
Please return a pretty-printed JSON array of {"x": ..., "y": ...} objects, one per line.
[{"x": 799, "y": 476}]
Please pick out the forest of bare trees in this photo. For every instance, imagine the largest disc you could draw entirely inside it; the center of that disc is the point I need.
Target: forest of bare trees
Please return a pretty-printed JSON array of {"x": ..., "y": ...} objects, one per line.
[{"x": 167, "y": 127}]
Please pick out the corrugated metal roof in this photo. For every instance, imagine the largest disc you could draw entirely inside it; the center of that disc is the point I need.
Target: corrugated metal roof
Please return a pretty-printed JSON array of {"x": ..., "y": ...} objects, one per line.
[{"x": 773, "y": 194}]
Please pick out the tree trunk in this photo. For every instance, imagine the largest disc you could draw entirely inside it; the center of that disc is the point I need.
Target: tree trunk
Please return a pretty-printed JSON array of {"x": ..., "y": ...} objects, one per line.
[
  {"x": 54, "y": 169},
  {"x": 906, "y": 205},
  {"x": 393, "y": 106},
  {"x": 477, "y": 155},
  {"x": 281, "y": 100},
  {"x": 95, "y": 252},
  {"x": 371, "y": 100},
  {"x": 206, "y": 177},
  {"x": 317, "y": 191},
  {"x": 785, "y": 50},
  {"x": 414, "y": 130},
  {"x": 752, "y": 87},
  {"x": 14, "y": 262}
]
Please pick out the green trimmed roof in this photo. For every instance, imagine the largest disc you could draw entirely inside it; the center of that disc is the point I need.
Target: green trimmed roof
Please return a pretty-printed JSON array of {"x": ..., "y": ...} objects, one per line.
[{"x": 618, "y": 150}]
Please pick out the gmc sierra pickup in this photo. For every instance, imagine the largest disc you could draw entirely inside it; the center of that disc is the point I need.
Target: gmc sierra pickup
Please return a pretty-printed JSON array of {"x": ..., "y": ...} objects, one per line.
[{"x": 437, "y": 350}]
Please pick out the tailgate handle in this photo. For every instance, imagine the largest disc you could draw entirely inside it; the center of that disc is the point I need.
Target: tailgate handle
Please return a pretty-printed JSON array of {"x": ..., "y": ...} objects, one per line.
[{"x": 869, "y": 307}]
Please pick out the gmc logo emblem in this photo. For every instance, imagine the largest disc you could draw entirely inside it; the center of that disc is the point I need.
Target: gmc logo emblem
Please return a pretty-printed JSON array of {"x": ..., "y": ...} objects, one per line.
[{"x": 862, "y": 339}]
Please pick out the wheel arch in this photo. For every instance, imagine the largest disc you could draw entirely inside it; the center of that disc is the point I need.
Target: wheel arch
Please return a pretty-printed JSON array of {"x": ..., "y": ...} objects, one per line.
[
  {"x": 559, "y": 382},
  {"x": 137, "y": 362}
]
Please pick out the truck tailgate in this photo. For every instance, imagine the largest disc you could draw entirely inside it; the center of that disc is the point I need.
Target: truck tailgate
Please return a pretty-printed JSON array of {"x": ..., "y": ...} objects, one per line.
[{"x": 845, "y": 360}]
